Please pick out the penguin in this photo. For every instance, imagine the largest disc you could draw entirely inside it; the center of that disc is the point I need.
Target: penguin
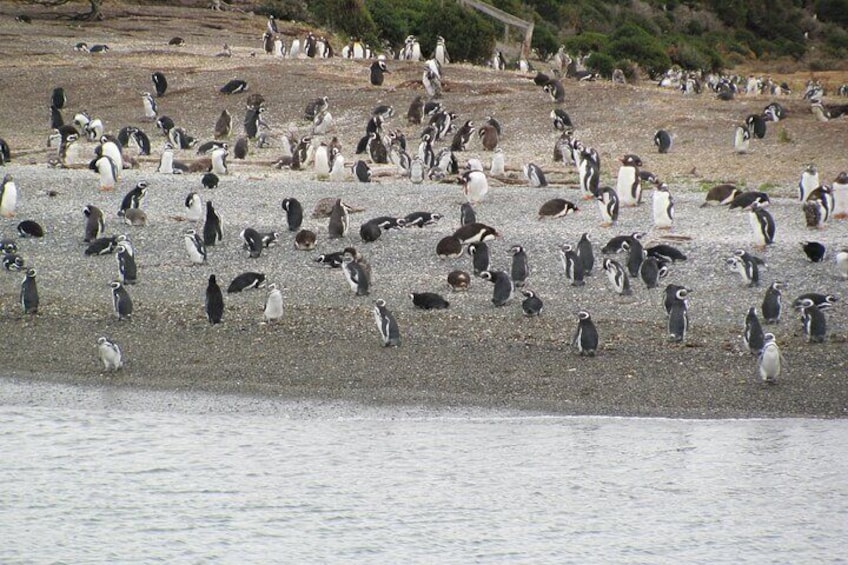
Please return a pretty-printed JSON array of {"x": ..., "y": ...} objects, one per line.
[
  {"x": 814, "y": 251},
  {"x": 234, "y": 86},
  {"x": 150, "y": 108},
  {"x": 370, "y": 232},
  {"x": 588, "y": 172},
  {"x": 652, "y": 271},
  {"x": 721, "y": 194},
  {"x": 223, "y": 125},
  {"x": 322, "y": 123},
  {"x": 429, "y": 301},
  {"x": 449, "y": 247},
  {"x": 219, "y": 160},
  {"x": 475, "y": 186},
  {"x": 12, "y": 261},
  {"x": 339, "y": 220},
  {"x": 747, "y": 266},
  {"x": 378, "y": 69},
  {"x": 246, "y": 281},
  {"x": 415, "y": 113},
  {"x": 839, "y": 191},
  {"x": 520, "y": 268},
  {"x": 820, "y": 301},
  {"x": 556, "y": 208},
  {"x": 534, "y": 175},
  {"x": 665, "y": 253},
  {"x": 678, "y": 316},
  {"x": 214, "y": 302},
  {"x": 756, "y": 125},
  {"x": 165, "y": 125},
  {"x": 29, "y": 293},
  {"x": 8, "y": 196},
  {"x": 194, "y": 207},
  {"x": 772, "y": 303},
  {"x": 94, "y": 130},
  {"x": 362, "y": 171},
  {"x": 769, "y": 362},
  {"x": 477, "y": 231},
  {"x": 30, "y": 228},
  {"x": 635, "y": 255},
  {"x": 497, "y": 168},
  {"x": 617, "y": 276},
  {"x": 241, "y": 148},
  {"x": 809, "y": 182},
  {"x": 294, "y": 213},
  {"x": 479, "y": 253},
  {"x": 746, "y": 199},
  {"x": 531, "y": 305},
  {"x": 139, "y": 138},
  {"x": 815, "y": 213},
  {"x": 440, "y": 53},
  {"x": 356, "y": 276},
  {"x": 56, "y": 122},
  {"x": 133, "y": 198},
  {"x": 753, "y": 336},
  {"x": 160, "y": 83},
  {"x": 503, "y": 289},
  {"x": 252, "y": 121},
  {"x": 109, "y": 148},
  {"x": 305, "y": 240},
  {"x": 108, "y": 172},
  {"x": 338, "y": 172},
  {"x": 166, "y": 161},
  {"x": 842, "y": 263},
  {"x": 741, "y": 137},
  {"x": 210, "y": 180},
  {"x": 94, "y": 223},
  {"x": 571, "y": 264},
  {"x": 121, "y": 302},
  {"x": 629, "y": 183},
  {"x": 252, "y": 242},
  {"x": 459, "y": 281},
  {"x": 315, "y": 107},
  {"x": 58, "y": 99},
  {"x": 586, "y": 337},
  {"x": 555, "y": 90},
  {"x": 386, "y": 324},
  {"x": 420, "y": 219},
  {"x": 662, "y": 139},
  {"x": 663, "y": 207},
  {"x": 462, "y": 136},
  {"x": 585, "y": 254},
  {"x": 814, "y": 323},
  {"x": 762, "y": 224},
  {"x": 126, "y": 265},
  {"x": 102, "y": 246},
  {"x": 608, "y": 205},
  {"x": 467, "y": 215},
  {"x": 561, "y": 120},
  {"x": 195, "y": 247},
  {"x": 212, "y": 227},
  {"x": 416, "y": 170},
  {"x": 273, "y": 305},
  {"x": 774, "y": 112},
  {"x": 109, "y": 354}
]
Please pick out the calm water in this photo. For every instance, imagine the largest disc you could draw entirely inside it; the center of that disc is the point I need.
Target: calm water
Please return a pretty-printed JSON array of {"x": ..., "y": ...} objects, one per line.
[{"x": 108, "y": 476}]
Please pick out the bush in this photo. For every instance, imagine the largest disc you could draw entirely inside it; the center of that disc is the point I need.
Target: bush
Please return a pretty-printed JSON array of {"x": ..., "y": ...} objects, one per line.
[
  {"x": 469, "y": 36},
  {"x": 285, "y": 9},
  {"x": 545, "y": 41},
  {"x": 835, "y": 11},
  {"x": 634, "y": 43},
  {"x": 587, "y": 42},
  {"x": 348, "y": 16},
  {"x": 601, "y": 63}
]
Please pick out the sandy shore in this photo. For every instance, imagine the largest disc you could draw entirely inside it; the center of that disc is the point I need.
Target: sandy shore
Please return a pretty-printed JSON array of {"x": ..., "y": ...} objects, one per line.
[{"x": 473, "y": 354}]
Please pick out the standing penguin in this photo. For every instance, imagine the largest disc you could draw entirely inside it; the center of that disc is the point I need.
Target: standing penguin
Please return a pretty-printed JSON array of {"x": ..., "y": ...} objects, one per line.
[
  {"x": 378, "y": 69},
  {"x": 531, "y": 305},
  {"x": 762, "y": 224},
  {"x": 273, "y": 304},
  {"x": 475, "y": 186},
  {"x": 8, "y": 197},
  {"x": 214, "y": 301},
  {"x": 586, "y": 336},
  {"x": 770, "y": 360},
  {"x": 520, "y": 269},
  {"x": 467, "y": 215},
  {"x": 386, "y": 324},
  {"x": 121, "y": 302},
  {"x": 109, "y": 353},
  {"x": 839, "y": 190},
  {"x": 252, "y": 242},
  {"x": 572, "y": 265},
  {"x": 150, "y": 108},
  {"x": 772, "y": 303},
  {"x": 160, "y": 83},
  {"x": 534, "y": 175},
  {"x": 662, "y": 139},
  {"x": 361, "y": 171},
  {"x": 126, "y": 265},
  {"x": 479, "y": 253},
  {"x": 748, "y": 267},
  {"x": 809, "y": 182},
  {"x": 356, "y": 276},
  {"x": 814, "y": 323},
  {"x": 678, "y": 315},
  {"x": 586, "y": 254},
  {"x": 134, "y": 198},
  {"x": 753, "y": 336},
  {"x": 741, "y": 138},
  {"x": 629, "y": 183},
  {"x": 294, "y": 213},
  {"x": 842, "y": 263},
  {"x": 617, "y": 276},
  {"x": 635, "y": 254},
  {"x": 650, "y": 271},
  {"x": 29, "y": 293},
  {"x": 94, "y": 223},
  {"x": 224, "y": 125},
  {"x": 58, "y": 99},
  {"x": 339, "y": 220},
  {"x": 663, "y": 205},
  {"x": 504, "y": 288},
  {"x": 608, "y": 205},
  {"x": 108, "y": 172},
  {"x": 588, "y": 173},
  {"x": 195, "y": 247},
  {"x": 212, "y": 229},
  {"x": 194, "y": 207},
  {"x": 219, "y": 160}
]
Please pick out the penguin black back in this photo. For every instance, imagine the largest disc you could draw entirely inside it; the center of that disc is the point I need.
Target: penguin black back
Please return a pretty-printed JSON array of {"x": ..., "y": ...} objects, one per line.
[
  {"x": 214, "y": 301},
  {"x": 294, "y": 213}
]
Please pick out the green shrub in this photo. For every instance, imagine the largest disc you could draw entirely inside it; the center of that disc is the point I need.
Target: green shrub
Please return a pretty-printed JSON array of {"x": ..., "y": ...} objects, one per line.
[
  {"x": 285, "y": 9},
  {"x": 835, "y": 11},
  {"x": 601, "y": 63},
  {"x": 347, "y": 16},
  {"x": 545, "y": 40},
  {"x": 633, "y": 42},
  {"x": 469, "y": 35},
  {"x": 587, "y": 42}
]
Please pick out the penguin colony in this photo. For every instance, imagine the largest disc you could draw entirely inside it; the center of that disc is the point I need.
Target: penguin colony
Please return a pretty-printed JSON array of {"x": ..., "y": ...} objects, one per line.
[{"x": 433, "y": 158}]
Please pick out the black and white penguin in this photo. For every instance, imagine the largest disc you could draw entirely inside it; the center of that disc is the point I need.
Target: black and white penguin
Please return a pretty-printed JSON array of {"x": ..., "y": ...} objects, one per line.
[
  {"x": 820, "y": 301},
  {"x": 741, "y": 138},
  {"x": 814, "y": 250},
  {"x": 386, "y": 324},
  {"x": 12, "y": 261},
  {"x": 816, "y": 213},
  {"x": 586, "y": 254},
  {"x": 370, "y": 231},
  {"x": 814, "y": 322},
  {"x": 808, "y": 182},
  {"x": 503, "y": 289},
  {"x": 58, "y": 99},
  {"x": 756, "y": 125},
  {"x": 678, "y": 315},
  {"x": 305, "y": 240},
  {"x": 663, "y": 207},
  {"x": 108, "y": 171},
  {"x": 339, "y": 220},
  {"x": 635, "y": 255},
  {"x": 210, "y": 180},
  {"x": 449, "y": 247},
  {"x": 572, "y": 265},
  {"x": 762, "y": 224},
  {"x": 252, "y": 242},
  {"x": 774, "y": 112},
  {"x": 520, "y": 268},
  {"x": 617, "y": 276},
  {"x": 109, "y": 354},
  {"x": 586, "y": 337},
  {"x": 150, "y": 108},
  {"x": 629, "y": 183},
  {"x": 121, "y": 302},
  {"x": 361, "y": 171},
  {"x": 839, "y": 191},
  {"x": 769, "y": 363},
  {"x": 378, "y": 70},
  {"x": 475, "y": 186},
  {"x": 195, "y": 247},
  {"x": 245, "y": 281},
  {"x": 753, "y": 336},
  {"x": 421, "y": 219},
  {"x": 555, "y": 90},
  {"x": 29, "y": 293},
  {"x": 747, "y": 266},
  {"x": 126, "y": 265},
  {"x": 273, "y": 305},
  {"x": 556, "y": 208},
  {"x": 194, "y": 207},
  {"x": 8, "y": 196},
  {"x": 652, "y": 271},
  {"x": 165, "y": 125},
  {"x": 608, "y": 205},
  {"x": 772, "y": 303},
  {"x": 252, "y": 121},
  {"x": 294, "y": 213},
  {"x": 429, "y": 301},
  {"x": 534, "y": 175},
  {"x": 160, "y": 83},
  {"x": 721, "y": 194},
  {"x": 531, "y": 305},
  {"x": 356, "y": 276},
  {"x": 662, "y": 139},
  {"x": 212, "y": 228},
  {"x": 333, "y": 260},
  {"x": 94, "y": 223},
  {"x": 467, "y": 215},
  {"x": 133, "y": 198},
  {"x": 744, "y": 200},
  {"x": 665, "y": 253},
  {"x": 479, "y": 253},
  {"x": 462, "y": 136},
  {"x": 101, "y": 246},
  {"x": 223, "y": 125},
  {"x": 477, "y": 231},
  {"x": 214, "y": 301},
  {"x": 561, "y": 120},
  {"x": 842, "y": 263},
  {"x": 30, "y": 228},
  {"x": 234, "y": 87}
]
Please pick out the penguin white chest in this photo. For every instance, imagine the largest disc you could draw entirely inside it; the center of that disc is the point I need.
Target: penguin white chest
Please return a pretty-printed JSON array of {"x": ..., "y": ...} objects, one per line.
[
  {"x": 9, "y": 198},
  {"x": 628, "y": 187},
  {"x": 759, "y": 233},
  {"x": 663, "y": 209},
  {"x": 840, "y": 200},
  {"x": 322, "y": 161}
]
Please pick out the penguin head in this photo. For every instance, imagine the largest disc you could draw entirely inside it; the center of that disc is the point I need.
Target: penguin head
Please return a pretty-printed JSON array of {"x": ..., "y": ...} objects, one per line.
[
  {"x": 583, "y": 315},
  {"x": 31, "y": 273},
  {"x": 115, "y": 285},
  {"x": 768, "y": 338},
  {"x": 382, "y": 303},
  {"x": 516, "y": 249},
  {"x": 682, "y": 293},
  {"x": 487, "y": 275},
  {"x": 102, "y": 341}
]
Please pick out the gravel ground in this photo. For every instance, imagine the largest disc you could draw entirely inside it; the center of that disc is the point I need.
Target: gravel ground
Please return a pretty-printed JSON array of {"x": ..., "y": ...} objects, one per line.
[{"x": 473, "y": 354}]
